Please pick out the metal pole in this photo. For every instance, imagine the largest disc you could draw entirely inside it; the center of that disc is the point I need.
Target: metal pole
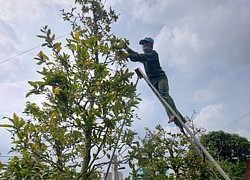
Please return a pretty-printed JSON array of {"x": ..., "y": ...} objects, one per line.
[
  {"x": 113, "y": 153},
  {"x": 118, "y": 139},
  {"x": 166, "y": 105}
]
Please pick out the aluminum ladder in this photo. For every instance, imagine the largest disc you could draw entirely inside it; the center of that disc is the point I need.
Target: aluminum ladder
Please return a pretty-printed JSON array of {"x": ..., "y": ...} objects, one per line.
[{"x": 141, "y": 75}]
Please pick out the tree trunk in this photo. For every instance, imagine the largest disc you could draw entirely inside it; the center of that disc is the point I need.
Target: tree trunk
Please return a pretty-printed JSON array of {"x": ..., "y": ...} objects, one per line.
[
  {"x": 87, "y": 151},
  {"x": 87, "y": 157}
]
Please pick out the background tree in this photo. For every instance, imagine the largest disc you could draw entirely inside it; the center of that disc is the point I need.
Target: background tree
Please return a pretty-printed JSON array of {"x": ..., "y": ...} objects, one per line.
[
  {"x": 231, "y": 150},
  {"x": 227, "y": 146},
  {"x": 163, "y": 155},
  {"x": 89, "y": 96}
]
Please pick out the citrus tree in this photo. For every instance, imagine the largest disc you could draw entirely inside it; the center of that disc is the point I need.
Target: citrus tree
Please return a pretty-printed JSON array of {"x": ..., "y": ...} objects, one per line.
[{"x": 88, "y": 97}]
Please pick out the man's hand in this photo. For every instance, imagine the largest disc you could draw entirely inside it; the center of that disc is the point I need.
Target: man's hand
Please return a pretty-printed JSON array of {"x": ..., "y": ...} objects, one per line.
[
  {"x": 129, "y": 51},
  {"x": 125, "y": 45},
  {"x": 123, "y": 54}
]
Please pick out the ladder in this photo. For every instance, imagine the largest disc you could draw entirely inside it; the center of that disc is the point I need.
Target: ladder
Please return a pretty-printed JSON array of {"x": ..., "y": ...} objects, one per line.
[{"x": 141, "y": 75}]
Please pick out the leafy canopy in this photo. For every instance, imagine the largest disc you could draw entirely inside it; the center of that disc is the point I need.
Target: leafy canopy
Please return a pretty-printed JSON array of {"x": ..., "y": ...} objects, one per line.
[{"x": 88, "y": 96}]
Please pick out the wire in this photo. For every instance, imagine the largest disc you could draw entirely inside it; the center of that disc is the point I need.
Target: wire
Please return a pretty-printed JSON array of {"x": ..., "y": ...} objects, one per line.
[
  {"x": 237, "y": 120},
  {"x": 18, "y": 54},
  {"x": 8, "y": 59},
  {"x": 9, "y": 156}
]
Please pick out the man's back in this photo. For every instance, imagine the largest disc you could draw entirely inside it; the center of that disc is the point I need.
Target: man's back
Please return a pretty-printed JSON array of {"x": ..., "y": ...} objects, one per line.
[{"x": 152, "y": 66}]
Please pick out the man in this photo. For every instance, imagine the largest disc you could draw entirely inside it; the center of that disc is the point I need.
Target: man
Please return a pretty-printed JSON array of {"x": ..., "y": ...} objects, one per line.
[{"x": 155, "y": 74}]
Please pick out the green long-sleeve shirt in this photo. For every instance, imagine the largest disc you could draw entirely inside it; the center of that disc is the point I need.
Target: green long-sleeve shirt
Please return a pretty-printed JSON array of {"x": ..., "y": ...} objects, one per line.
[{"x": 151, "y": 64}]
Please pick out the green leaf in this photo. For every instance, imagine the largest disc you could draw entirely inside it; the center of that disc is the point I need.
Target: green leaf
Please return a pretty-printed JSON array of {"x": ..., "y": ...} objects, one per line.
[
  {"x": 111, "y": 97},
  {"x": 96, "y": 112},
  {"x": 53, "y": 37},
  {"x": 34, "y": 84},
  {"x": 115, "y": 110},
  {"x": 44, "y": 44},
  {"x": 26, "y": 128},
  {"x": 16, "y": 142},
  {"x": 40, "y": 36},
  {"x": 15, "y": 119},
  {"x": 108, "y": 156},
  {"x": 48, "y": 32},
  {"x": 29, "y": 93}
]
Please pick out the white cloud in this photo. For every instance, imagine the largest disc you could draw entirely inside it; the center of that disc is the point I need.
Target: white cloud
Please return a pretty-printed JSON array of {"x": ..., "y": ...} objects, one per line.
[
  {"x": 198, "y": 35},
  {"x": 215, "y": 89},
  {"x": 172, "y": 129},
  {"x": 151, "y": 11},
  {"x": 5, "y": 139},
  {"x": 145, "y": 112},
  {"x": 28, "y": 9},
  {"x": 7, "y": 32},
  {"x": 112, "y": 3},
  {"x": 13, "y": 96},
  {"x": 17, "y": 10},
  {"x": 8, "y": 38},
  {"x": 243, "y": 133},
  {"x": 177, "y": 47},
  {"x": 22, "y": 20},
  {"x": 212, "y": 117}
]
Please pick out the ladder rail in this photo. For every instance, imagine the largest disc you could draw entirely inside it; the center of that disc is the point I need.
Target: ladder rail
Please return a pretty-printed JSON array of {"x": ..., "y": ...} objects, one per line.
[
  {"x": 140, "y": 74},
  {"x": 199, "y": 153}
]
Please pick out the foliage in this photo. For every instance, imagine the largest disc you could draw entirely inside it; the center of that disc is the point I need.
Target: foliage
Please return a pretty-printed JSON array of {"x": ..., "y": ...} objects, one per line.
[
  {"x": 164, "y": 155},
  {"x": 231, "y": 150},
  {"x": 236, "y": 171},
  {"x": 89, "y": 96}
]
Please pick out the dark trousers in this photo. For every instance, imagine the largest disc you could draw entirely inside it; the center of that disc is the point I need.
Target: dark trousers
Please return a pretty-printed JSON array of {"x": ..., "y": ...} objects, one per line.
[{"x": 162, "y": 86}]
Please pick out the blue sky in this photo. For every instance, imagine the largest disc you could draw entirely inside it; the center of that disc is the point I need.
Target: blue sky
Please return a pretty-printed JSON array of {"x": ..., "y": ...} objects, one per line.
[{"x": 203, "y": 47}]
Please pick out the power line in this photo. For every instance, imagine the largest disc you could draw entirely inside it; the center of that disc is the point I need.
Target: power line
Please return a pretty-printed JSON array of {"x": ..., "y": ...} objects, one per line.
[
  {"x": 237, "y": 120},
  {"x": 9, "y": 156},
  {"x": 8, "y": 59}
]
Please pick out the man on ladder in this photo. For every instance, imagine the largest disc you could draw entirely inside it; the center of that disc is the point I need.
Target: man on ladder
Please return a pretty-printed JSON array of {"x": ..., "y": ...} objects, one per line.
[
  {"x": 158, "y": 82},
  {"x": 156, "y": 75}
]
